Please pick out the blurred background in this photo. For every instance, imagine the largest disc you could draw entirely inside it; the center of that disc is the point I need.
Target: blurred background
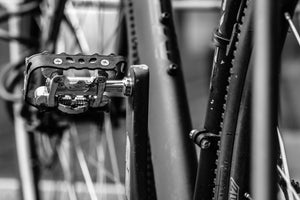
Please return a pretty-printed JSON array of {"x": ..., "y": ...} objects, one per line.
[{"x": 194, "y": 30}]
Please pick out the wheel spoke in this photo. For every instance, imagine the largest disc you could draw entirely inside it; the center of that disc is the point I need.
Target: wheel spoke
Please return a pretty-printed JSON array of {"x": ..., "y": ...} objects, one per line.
[
  {"x": 83, "y": 163},
  {"x": 111, "y": 148},
  {"x": 292, "y": 26},
  {"x": 288, "y": 183},
  {"x": 64, "y": 155}
]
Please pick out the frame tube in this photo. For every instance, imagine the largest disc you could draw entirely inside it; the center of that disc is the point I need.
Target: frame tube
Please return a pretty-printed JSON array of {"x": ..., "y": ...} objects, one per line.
[{"x": 265, "y": 101}]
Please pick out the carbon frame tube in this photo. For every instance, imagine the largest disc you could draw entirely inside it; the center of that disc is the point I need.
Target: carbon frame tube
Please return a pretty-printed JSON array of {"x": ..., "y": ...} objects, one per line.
[
  {"x": 265, "y": 100},
  {"x": 173, "y": 153}
]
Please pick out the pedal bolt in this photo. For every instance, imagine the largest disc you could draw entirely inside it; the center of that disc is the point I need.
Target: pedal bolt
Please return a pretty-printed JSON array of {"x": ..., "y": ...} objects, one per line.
[
  {"x": 57, "y": 61},
  {"x": 247, "y": 195},
  {"x": 165, "y": 17},
  {"x": 172, "y": 69},
  {"x": 104, "y": 62},
  {"x": 205, "y": 144}
]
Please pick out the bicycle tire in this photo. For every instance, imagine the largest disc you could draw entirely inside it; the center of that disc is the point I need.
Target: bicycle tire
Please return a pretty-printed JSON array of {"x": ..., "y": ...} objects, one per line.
[{"x": 233, "y": 171}]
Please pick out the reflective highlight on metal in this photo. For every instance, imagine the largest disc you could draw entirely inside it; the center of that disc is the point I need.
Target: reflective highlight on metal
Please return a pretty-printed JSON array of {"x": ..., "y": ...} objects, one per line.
[{"x": 292, "y": 26}]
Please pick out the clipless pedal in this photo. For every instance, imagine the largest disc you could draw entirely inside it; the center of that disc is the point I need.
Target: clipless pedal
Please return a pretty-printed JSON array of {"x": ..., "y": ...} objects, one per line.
[{"x": 74, "y": 83}]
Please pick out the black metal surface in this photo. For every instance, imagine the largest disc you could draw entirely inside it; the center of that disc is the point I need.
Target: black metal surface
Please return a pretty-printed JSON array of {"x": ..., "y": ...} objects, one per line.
[
  {"x": 221, "y": 66},
  {"x": 78, "y": 62},
  {"x": 154, "y": 44},
  {"x": 137, "y": 132}
]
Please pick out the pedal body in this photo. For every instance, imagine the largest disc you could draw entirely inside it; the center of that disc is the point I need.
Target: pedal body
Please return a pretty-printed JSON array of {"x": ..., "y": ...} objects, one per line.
[{"x": 73, "y": 83}]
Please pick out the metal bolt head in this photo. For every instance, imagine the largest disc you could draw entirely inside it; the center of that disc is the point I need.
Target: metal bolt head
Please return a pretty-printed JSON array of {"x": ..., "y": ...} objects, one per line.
[
  {"x": 127, "y": 90},
  {"x": 204, "y": 144},
  {"x": 58, "y": 79},
  {"x": 57, "y": 61},
  {"x": 165, "y": 17},
  {"x": 247, "y": 195},
  {"x": 102, "y": 79},
  {"x": 172, "y": 69},
  {"x": 104, "y": 62}
]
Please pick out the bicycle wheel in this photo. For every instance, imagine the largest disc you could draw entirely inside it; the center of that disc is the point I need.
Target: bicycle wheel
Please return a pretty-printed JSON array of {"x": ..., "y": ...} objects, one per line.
[
  {"x": 80, "y": 154},
  {"x": 233, "y": 164},
  {"x": 57, "y": 141},
  {"x": 53, "y": 138}
]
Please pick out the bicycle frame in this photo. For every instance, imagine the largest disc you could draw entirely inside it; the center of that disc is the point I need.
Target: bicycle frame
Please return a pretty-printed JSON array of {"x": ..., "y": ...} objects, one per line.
[
  {"x": 172, "y": 128},
  {"x": 169, "y": 118}
]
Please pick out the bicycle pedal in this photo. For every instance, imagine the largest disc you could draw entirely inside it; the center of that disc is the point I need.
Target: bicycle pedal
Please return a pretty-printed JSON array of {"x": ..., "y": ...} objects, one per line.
[{"x": 73, "y": 83}]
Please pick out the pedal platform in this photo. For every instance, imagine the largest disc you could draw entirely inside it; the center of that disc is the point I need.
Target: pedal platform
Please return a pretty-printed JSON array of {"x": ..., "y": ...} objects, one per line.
[{"x": 73, "y": 84}]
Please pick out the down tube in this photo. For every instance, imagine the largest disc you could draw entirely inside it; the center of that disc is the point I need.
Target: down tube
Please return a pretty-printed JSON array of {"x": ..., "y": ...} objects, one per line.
[{"x": 173, "y": 154}]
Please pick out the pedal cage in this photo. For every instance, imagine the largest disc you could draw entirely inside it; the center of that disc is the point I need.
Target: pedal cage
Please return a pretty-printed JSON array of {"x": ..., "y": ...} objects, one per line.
[{"x": 59, "y": 86}]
